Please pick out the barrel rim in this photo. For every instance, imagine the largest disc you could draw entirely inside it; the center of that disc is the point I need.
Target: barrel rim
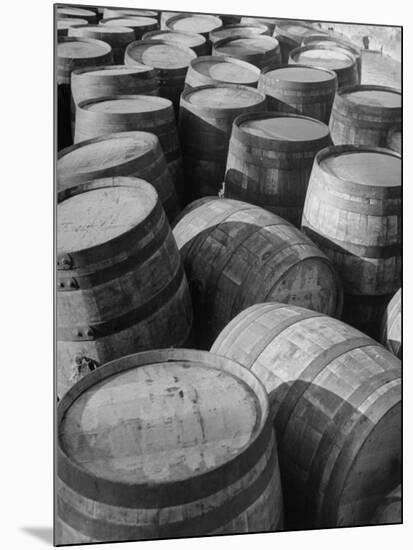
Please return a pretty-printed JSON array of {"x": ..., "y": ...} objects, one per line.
[
  {"x": 137, "y": 43},
  {"x": 293, "y": 85},
  {"x": 78, "y": 22},
  {"x": 201, "y": 39},
  {"x": 307, "y": 41},
  {"x": 187, "y": 15},
  {"x": 167, "y": 104},
  {"x": 224, "y": 59},
  {"x": 95, "y": 41},
  {"x": 76, "y": 9},
  {"x": 214, "y": 110},
  {"x": 133, "y": 10},
  {"x": 260, "y": 26},
  {"x": 94, "y": 27},
  {"x": 265, "y": 37},
  {"x": 136, "y": 68},
  {"x": 279, "y": 28},
  {"x": 343, "y": 98},
  {"x": 152, "y": 20},
  {"x": 301, "y": 49}
]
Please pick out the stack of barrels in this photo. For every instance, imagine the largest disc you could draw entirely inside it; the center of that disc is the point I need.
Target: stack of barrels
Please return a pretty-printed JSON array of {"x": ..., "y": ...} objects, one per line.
[{"x": 228, "y": 260}]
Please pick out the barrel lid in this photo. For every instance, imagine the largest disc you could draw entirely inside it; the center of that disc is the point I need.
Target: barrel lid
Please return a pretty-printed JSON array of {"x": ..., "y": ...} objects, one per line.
[
  {"x": 198, "y": 23},
  {"x": 296, "y": 30},
  {"x": 75, "y": 12},
  {"x": 126, "y": 104},
  {"x": 113, "y": 70},
  {"x": 226, "y": 69},
  {"x": 160, "y": 55},
  {"x": 323, "y": 56},
  {"x": 129, "y": 21},
  {"x": 331, "y": 42},
  {"x": 188, "y": 39},
  {"x": 300, "y": 73},
  {"x": 162, "y": 420},
  {"x": 77, "y": 47},
  {"x": 223, "y": 96},
  {"x": 378, "y": 168},
  {"x": 124, "y": 12},
  {"x": 374, "y": 96},
  {"x": 102, "y": 29},
  {"x": 238, "y": 29},
  {"x": 70, "y": 22},
  {"x": 286, "y": 128},
  {"x": 249, "y": 44},
  {"x": 97, "y": 216}
]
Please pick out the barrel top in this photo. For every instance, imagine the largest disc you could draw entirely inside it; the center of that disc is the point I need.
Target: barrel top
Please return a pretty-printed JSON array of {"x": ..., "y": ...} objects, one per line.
[
  {"x": 293, "y": 73},
  {"x": 238, "y": 29},
  {"x": 74, "y": 47},
  {"x": 100, "y": 215},
  {"x": 188, "y": 39},
  {"x": 102, "y": 29},
  {"x": 194, "y": 23},
  {"x": 104, "y": 152},
  {"x": 298, "y": 30},
  {"x": 374, "y": 97},
  {"x": 113, "y": 70},
  {"x": 127, "y": 104},
  {"x": 70, "y": 22},
  {"x": 161, "y": 422},
  {"x": 365, "y": 167},
  {"x": 247, "y": 45},
  {"x": 223, "y": 97},
  {"x": 160, "y": 55},
  {"x": 332, "y": 42},
  {"x": 226, "y": 69},
  {"x": 129, "y": 21},
  {"x": 285, "y": 128},
  {"x": 75, "y": 11},
  {"x": 331, "y": 58},
  {"x": 125, "y": 12}
]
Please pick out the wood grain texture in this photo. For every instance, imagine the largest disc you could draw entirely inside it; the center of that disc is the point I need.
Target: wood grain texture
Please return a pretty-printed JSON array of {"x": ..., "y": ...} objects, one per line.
[
  {"x": 207, "y": 70},
  {"x": 335, "y": 397},
  {"x": 76, "y": 13},
  {"x": 238, "y": 29},
  {"x": 236, "y": 254},
  {"x": 270, "y": 158},
  {"x": 198, "y": 23},
  {"x": 205, "y": 122},
  {"x": 196, "y": 42},
  {"x": 395, "y": 139},
  {"x": 63, "y": 25},
  {"x": 137, "y": 154},
  {"x": 179, "y": 459},
  {"x": 75, "y": 53},
  {"x": 117, "y": 37},
  {"x": 259, "y": 50},
  {"x": 391, "y": 330},
  {"x": 390, "y": 510},
  {"x": 290, "y": 35},
  {"x": 140, "y": 25},
  {"x": 363, "y": 115},
  {"x": 109, "y": 13},
  {"x": 121, "y": 286},
  {"x": 352, "y": 212},
  {"x": 299, "y": 89}
]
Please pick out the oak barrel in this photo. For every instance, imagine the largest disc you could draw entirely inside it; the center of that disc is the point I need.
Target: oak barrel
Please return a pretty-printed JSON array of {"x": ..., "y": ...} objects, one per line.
[
  {"x": 238, "y": 29},
  {"x": 391, "y": 331},
  {"x": 335, "y": 397},
  {"x": 169, "y": 61},
  {"x": 290, "y": 35},
  {"x": 140, "y": 25},
  {"x": 165, "y": 15},
  {"x": 267, "y": 21},
  {"x": 270, "y": 158},
  {"x": 121, "y": 113},
  {"x": 353, "y": 213},
  {"x": 189, "y": 451},
  {"x": 219, "y": 69},
  {"x": 260, "y": 50},
  {"x": 200, "y": 23},
  {"x": 299, "y": 89},
  {"x": 63, "y": 25},
  {"x": 76, "y": 13},
  {"x": 116, "y": 36},
  {"x": 390, "y": 510},
  {"x": 121, "y": 287},
  {"x": 230, "y": 19},
  {"x": 236, "y": 254},
  {"x": 395, "y": 138},
  {"x": 339, "y": 60},
  {"x": 137, "y": 154},
  {"x": 108, "y": 13},
  {"x": 363, "y": 115},
  {"x": 205, "y": 122},
  {"x": 196, "y": 42}
]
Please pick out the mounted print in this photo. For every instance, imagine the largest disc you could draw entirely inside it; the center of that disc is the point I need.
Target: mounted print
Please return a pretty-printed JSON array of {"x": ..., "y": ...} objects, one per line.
[{"x": 228, "y": 268}]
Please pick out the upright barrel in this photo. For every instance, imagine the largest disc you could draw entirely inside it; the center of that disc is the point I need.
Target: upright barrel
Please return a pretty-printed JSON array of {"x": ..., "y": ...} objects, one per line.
[
  {"x": 353, "y": 213},
  {"x": 335, "y": 397},
  {"x": 339, "y": 60},
  {"x": 216, "y": 69},
  {"x": 76, "y": 13},
  {"x": 205, "y": 122},
  {"x": 269, "y": 22},
  {"x": 170, "y": 62},
  {"x": 116, "y": 36},
  {"x": 108, "y": 13},
  {"x": 291, "y": 34},
  {"x": 120, "y": 282},
  {"x": 63, "y": 25},
  {"x": 229, "y": 19},
  {"x": 259, "y": 50},
  {"x": 199, "y": 23},
  {"x": 139, "y": 25},
  {"x": 363, "y": 115},
  {"x": 136, "y": 154},
  {"x": 270, "y": 158},
  {"x": 299, "y": 89},
  {"x": 395, "y": 138},
  {"x": 390, "y": 509},
  {"x": 196, "y": 42},
  {"x": 198, "y": 454},
  {"x": 238, "y": 29},
  {"x": 236, "y": 254},
  {"x": 165, "y": 15},
  {"x": 123, "y": 113},
  {"x": 391, "y": 330}
]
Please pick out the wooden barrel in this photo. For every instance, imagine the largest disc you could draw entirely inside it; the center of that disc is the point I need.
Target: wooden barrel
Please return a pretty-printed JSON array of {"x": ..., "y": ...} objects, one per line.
[
  {"x": 137, "y": 154},
  {"x": 205, "y": 123},
  {"x": 73, "y": 53},
  {"x": 326, "y": 40},
  {"x": 121, "y": 287},
  {"x": 108, "y": 13},
  {"x": 63, "y": 25},
  {"x": 116, "y": 36},
  {"x": 236, "y": 254},
  {"x": 395, "y": 139},
  {"x": 169, "y": 61},
  {"x": 269, "y": 22},
  {"x": 123, "y": 113},
  {"x": 139, "y": 25},
  {"x": 165, "y": 15},
  {"x": 339, "y": 60},
  {"x": 353, "y": 213},
  {"x": 390, "y": 510},
  {"x": 270, "y": 158},
  {"x": 363, "y": 115},
  {"x": 76, "y": 13},
  {"x": 290, "y": 35},
  {"x": 239, "y": 29},
  {"x": 229, "y": 19},
  {"x": 218, "y": 69},
  {"x": 196, "y": 42},
  {"x": 181, "y": 459},
  {"x": 259, "y": 50},
  {"x": 199, "y": 23},
  {"x": 299, "y": 89},
  {"x": 335, "y": 397},
  {"x": 391, "y": 330}
]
